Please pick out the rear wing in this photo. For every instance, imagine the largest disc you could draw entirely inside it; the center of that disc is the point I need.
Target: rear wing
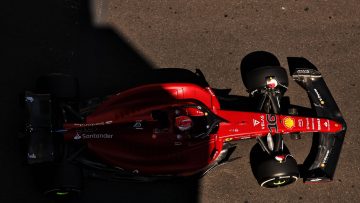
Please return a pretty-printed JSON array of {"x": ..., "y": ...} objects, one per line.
[{"x": 321, "y": 162}]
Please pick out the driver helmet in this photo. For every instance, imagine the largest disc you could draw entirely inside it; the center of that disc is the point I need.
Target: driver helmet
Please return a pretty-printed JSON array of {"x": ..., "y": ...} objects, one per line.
[{"x": 183, "y": 123}]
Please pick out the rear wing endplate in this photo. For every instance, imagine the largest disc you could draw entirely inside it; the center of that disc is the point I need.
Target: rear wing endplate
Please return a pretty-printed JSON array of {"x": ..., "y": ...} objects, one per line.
[{"x": 38, "y": 128}]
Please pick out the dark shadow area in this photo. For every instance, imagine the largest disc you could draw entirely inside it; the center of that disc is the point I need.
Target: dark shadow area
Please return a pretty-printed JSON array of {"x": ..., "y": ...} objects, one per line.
[
  {"x": 161, "y": 191},
  {"x": 43, "y": 37},
  {"x": 234, "y": 102}
]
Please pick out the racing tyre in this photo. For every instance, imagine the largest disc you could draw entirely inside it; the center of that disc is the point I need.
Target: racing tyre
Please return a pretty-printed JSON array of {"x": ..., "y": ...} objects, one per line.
[
  {"x": 256, "y": 78},
  {"x": 60, "y": 86},
  {"x": 271, "y": 173},
  {"x": 67, "y": 181}
]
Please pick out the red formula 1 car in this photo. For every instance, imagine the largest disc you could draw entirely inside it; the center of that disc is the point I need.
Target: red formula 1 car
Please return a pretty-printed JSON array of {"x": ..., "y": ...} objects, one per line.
[{"x": 169, "y": 130}]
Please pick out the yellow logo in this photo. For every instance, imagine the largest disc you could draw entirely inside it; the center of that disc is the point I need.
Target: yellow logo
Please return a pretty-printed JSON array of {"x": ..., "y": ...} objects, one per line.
[
  {"x": 289, "y": 122},
  {"x": 228, "y": 139}
]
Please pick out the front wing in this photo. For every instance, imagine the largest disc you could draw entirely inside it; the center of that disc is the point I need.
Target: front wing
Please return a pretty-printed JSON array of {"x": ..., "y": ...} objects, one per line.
[{"x": 321, "y": 162}]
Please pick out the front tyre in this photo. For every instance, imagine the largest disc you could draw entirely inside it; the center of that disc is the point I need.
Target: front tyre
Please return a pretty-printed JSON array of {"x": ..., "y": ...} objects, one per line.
[
  {"x": 278, "y": 181},
  {"x": 271, "y": 172},
  {"x": 257, "y": 78}
]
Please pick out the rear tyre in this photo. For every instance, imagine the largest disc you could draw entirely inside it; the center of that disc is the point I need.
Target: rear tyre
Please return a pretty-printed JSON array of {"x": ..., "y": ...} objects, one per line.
[
  {"x": 67, "y": 181},
  {"x": 270, "y": 172}
]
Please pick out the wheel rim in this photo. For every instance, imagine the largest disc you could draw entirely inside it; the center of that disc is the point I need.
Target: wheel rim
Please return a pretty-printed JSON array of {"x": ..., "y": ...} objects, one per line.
[
  {"x": 62, "y": 192},
  {"x": 278, "y": 181}
]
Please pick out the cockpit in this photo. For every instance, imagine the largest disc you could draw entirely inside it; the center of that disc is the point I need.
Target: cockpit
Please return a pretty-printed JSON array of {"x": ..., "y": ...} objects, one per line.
[{"x": 188, "y": 120}]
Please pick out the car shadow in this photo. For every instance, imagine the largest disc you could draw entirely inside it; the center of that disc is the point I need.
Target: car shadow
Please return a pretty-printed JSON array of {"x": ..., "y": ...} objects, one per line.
[{"x": 43, "y": 37}]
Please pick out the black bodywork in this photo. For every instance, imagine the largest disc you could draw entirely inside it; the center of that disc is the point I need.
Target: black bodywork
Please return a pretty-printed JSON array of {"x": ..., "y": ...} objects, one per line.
[{"x": 325, "y": 151}]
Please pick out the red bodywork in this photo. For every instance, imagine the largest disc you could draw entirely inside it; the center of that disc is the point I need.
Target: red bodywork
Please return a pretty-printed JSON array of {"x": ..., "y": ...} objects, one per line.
[{"x": 123, "y": 132}]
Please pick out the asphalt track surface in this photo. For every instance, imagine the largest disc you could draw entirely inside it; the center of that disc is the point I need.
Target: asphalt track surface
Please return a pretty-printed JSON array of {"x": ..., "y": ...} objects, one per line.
[{"x": 109, "y": 44}]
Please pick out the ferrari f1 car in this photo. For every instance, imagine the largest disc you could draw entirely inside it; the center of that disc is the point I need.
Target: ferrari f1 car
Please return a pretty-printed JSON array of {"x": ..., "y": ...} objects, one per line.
[{"x": 170, "y": 130}]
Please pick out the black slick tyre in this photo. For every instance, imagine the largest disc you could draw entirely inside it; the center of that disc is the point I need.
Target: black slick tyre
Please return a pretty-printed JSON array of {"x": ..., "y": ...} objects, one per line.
[
  {"x": 66, "y": 181},
  {"x": 256, "y": 78},
  {"x": 271, "y": 173}
]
